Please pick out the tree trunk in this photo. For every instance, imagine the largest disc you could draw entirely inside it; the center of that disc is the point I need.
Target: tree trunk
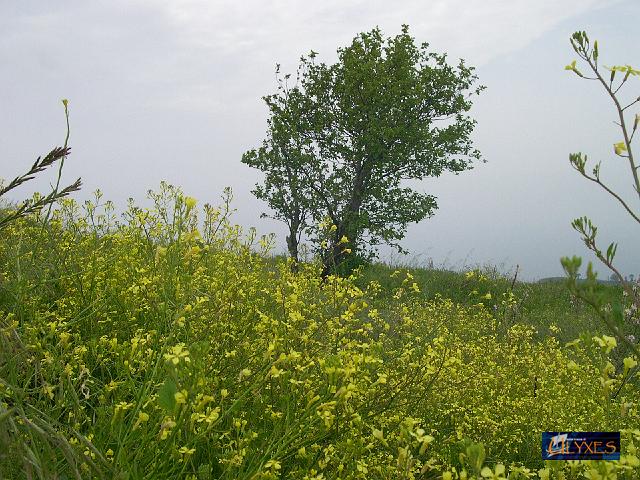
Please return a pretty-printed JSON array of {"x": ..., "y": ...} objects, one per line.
[
  {"x": 292, "y": 245},
  {"x": 348, "y": 227}
]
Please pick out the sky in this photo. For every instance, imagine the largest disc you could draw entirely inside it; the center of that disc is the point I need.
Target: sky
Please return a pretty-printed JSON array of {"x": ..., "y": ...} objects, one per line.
[{"x": 171, "y": 90}]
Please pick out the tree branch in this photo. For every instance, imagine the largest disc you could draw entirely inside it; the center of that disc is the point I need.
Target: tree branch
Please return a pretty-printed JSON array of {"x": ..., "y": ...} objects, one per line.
[{"x": 611, "y": 192}]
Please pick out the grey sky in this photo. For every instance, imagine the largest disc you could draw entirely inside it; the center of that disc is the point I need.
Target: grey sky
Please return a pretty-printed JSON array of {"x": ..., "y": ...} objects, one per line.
[{"x": 171, "y": 90}]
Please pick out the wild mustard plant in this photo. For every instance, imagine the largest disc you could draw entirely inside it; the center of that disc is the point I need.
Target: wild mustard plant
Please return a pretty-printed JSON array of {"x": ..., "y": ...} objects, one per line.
[{"x": 167, "y": 345}]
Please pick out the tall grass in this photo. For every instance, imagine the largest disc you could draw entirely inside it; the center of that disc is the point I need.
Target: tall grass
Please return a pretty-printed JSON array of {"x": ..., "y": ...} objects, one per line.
[{"x": 164, "y": 344}]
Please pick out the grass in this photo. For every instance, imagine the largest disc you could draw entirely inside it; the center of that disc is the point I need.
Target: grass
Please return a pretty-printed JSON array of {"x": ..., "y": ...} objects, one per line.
[
  {"x": 540, "y": 305},
  {"x": 169, "y": 345}
]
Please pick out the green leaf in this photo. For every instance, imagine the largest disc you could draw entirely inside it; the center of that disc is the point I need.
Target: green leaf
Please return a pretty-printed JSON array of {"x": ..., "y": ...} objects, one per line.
[
  {"x": 476, "y": 454},
  {"x": 578, "y": 161},
  {"x": 611, "y": 252},
  {"x": 486, "y": 472},
  {"x": 629, "y": 70},
  {"x": 617, "y": 313},
  {"x": 629, "y": 363},
  {"x": 619, "y": 148},
  {"x": 571, "y": 265},
  {"x": 166, "y": 395}
]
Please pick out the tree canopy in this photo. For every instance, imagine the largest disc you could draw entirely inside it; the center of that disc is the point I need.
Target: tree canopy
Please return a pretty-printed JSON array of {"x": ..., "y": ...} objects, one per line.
[{"x": 343, "y": 140}]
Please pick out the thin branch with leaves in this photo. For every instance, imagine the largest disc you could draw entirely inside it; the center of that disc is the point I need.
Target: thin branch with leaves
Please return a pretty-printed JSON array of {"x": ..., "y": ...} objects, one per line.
[{"x": 590, "y": 290}]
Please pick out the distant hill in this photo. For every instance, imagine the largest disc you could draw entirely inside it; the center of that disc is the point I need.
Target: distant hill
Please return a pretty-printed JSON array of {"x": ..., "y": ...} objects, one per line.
[{"x": 562, "y": 279}]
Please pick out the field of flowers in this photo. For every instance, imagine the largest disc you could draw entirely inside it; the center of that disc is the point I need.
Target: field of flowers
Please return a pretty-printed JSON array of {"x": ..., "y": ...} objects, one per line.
[{"x": 167, "y": 343}]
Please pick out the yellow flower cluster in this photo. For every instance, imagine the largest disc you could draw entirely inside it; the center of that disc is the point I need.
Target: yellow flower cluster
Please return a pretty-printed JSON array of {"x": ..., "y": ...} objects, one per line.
[{"x": 168, "y": 346}]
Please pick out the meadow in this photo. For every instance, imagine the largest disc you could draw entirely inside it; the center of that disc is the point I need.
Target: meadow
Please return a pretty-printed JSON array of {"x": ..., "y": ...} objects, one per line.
[{"x": 167, "y": 342}]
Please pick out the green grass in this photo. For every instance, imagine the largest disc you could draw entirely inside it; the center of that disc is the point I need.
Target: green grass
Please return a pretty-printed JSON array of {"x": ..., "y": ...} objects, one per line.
[
  {"x": 540, "y": 305},
  {"x": 154, "y": 349}
]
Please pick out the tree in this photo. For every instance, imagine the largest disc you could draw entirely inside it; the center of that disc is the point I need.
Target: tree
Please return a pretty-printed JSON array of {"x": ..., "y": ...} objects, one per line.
[
  {"x": 613, "y": 311},
  {"x": 285, "y": 164},
  {"x": 344, "y": 140}
]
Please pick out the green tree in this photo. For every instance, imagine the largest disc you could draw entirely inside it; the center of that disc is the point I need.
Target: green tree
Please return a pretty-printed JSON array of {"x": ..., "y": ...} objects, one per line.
[
  {"x": 618, "y": 314},
  {"x": 344, "y": 140},
  {"x": 287, "y": 164}
]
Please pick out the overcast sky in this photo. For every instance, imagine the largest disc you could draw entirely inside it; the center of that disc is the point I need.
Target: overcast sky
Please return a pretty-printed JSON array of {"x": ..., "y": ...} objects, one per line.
[{"x": 171, "y": 90}]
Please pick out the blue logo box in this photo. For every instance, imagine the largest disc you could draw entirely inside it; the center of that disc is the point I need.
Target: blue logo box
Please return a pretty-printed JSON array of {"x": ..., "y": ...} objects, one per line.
[{"x": 581, "y": 445}]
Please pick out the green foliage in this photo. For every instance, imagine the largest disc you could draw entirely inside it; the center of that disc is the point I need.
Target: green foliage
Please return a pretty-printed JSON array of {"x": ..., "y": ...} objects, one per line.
[
  {"x": 619, "y": 314},
  {"x": 344, "y": 138},
  {"x": 547, "y": 306},
  {"x": 164, "y": 345}
]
